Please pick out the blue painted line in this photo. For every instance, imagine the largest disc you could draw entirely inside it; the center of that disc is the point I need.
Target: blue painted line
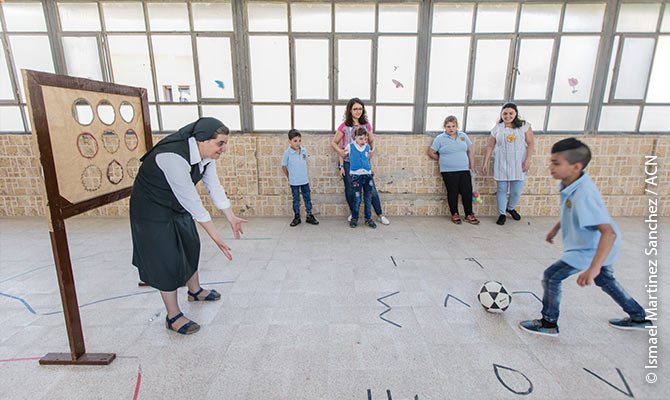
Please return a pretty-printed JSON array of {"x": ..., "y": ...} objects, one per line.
[
  {"x": 388, "y": 295},
  {"x": 528, "y": 292},
  {"x": 454, "y": 297},
  {"x": 387, "y": 320},
  {"x": 51, "y": 265},
  {"x": 25, "y": 303}
]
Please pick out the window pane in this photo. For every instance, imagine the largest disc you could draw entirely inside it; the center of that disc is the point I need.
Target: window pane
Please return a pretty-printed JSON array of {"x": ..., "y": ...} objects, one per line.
[
  {"x": 272, "y": 118},
  {"x": 269, "y": 68},
  {"x": 394, "y": 119},
  {"x": 354, "y": 17},
  {"x": 396, "y": 63},
  {"x": 496, "y": 17},
  {"x": 6, "y": 92},
  {"x": 583, "y": 17},
  {"x": 353, "y": 68},
  {"x": 533, "y": 69},
  {"x": 634, "y": 68},
  {"x": 482, "y": 119},
  {"x": 310, "y": 17},
  {"x": 540, "y": 17},
  {"x": 175, "y": 117},
  {"x": 267, "y": 17},
  {"x": 79, "y": 17},
  {"x": 228, "y": 114},
  {"x": 81, "y": 57},
  {"x": 435, "y": 117},
  {"x": 534, "y": 115},
  {"x": 610, "y": 72},
  {"x": 130, "y": 62},
  {"x": 123, "y": 17},
  {"x": 216, "y": 67},
  {"x": 311, "y": 68},
  {"x": 567, "y": 118},
  {"x": 398, "y": 18},
  {"x": 452, "y": 18},
  {"x": 24, "y": 17},
  {"x": 655, "y": 119},
  {"x": 174, "y": 68},
  {"x": 212, "y": 16},
  {"x": 659, "y": 81},
  {"x": 316, "y": 118},
  {"x": 10, "y": 119},
  {"x": 31, "y": 52},
  {"x": 447, "y": 80},
  {"x": 153, "y": 118},
  {"x": 665, "y": 25},
  {"x": 166, "y": 17},
  {"x": 574, "y": 69},
  {"x": 618, "y": 118},
  {"x": 638, "y": 17},
  {"x": 490, "y": 69}
]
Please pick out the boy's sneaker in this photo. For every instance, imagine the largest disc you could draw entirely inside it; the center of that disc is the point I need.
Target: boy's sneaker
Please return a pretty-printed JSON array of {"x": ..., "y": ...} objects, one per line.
[
  {"x": 628, "y": 324},
  {"x": 371, "y": 223},
  {"x": 535, "y": 326},
  {"x": 349, "y": 218},
  {"x": 384, "y": 220},
  {"x": 311, "y": 220},
  {"x": 353, "y": 222},
  {"x": 295, "y": 221}
]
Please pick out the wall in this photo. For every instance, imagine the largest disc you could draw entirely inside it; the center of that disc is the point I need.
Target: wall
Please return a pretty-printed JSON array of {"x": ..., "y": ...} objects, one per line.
[{"x": 408, "y": 181}]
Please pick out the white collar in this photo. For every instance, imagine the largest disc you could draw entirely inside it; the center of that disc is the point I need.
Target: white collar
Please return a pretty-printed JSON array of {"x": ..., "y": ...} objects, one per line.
[{"x": 360, "y": 148}]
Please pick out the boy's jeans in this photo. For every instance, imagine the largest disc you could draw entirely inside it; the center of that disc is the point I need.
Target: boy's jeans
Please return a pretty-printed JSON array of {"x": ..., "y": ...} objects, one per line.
[
  {"x": 295, "y": 190},
  {"x": 349, "y": 192},
  {"x": 554, "y": 276},
  {"x": 367, "y": 185}
]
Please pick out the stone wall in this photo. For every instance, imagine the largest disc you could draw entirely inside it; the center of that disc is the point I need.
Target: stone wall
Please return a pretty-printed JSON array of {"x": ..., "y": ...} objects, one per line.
[{"x": 408, "y": 181}]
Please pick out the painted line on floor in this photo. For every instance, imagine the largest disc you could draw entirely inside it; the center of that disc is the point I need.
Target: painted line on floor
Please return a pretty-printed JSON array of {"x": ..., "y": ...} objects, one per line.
[
  {"x": 528, "y": 292},
  {"x": 628, "y": 392},
  {"x": 21, "y": 359},
  {"x": 139, "y": 380},
  {"x": 388, "y": 295},
  {"x": 52, "y": 265},
  {"x": 394, "y": 264},
  {"x": 25, "y": 303},
  {"x": 475, "y": 260},
  {"x": 454, "y": 297},
  {"x": 388, "y": 309}
]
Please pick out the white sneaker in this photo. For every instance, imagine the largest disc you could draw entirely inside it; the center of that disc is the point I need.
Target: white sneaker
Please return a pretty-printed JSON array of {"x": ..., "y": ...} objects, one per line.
[
  {"x": 349, "y": 218},
  {"x": 384, "y": 220}
]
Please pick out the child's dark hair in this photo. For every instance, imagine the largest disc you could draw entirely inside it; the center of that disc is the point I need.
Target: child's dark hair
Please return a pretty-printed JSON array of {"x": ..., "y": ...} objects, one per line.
[
  {"x": 349, "y": 119},
  {"x": 293, "y": 133},
  {"x": 517, "y": 122},
  {"x": 361, "y": 132},
  {"x": 451, "y": 118},
  {"x": 573, "y": 150}
]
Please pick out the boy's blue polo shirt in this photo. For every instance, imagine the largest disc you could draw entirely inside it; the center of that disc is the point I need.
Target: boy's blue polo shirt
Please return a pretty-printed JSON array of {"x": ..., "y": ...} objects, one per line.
[
  {"x": 582, "y": 209},
  {"x": 296, "y": 163},
  {"x": 453, "y": 152}
]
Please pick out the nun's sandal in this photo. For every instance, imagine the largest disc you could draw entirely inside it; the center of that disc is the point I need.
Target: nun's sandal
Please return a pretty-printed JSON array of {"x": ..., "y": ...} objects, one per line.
[
  {"x": 186, "y": 329},
  {"x": 212, "y": 296}
]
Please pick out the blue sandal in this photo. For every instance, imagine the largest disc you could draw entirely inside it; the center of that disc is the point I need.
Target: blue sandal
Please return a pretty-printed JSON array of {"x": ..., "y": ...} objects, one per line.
[
  {"x": 212, "y": 296},
  {"x": 186, "y": 329}
]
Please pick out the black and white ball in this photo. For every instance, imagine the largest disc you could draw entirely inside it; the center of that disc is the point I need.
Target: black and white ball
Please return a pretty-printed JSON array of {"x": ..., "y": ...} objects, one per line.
[{"x": 493, "y": 297}]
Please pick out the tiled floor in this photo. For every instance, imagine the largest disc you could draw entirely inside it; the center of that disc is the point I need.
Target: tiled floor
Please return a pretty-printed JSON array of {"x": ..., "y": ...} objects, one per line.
[{"x": 300, "y": 317}]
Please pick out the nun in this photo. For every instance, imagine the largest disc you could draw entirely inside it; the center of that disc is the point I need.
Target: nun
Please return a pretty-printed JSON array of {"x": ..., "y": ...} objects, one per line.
[{"x": 163, "y": 206}]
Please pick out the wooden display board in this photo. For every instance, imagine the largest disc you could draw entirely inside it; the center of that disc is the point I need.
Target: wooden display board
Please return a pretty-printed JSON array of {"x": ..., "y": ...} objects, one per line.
[{"x": 89, "y": 136}]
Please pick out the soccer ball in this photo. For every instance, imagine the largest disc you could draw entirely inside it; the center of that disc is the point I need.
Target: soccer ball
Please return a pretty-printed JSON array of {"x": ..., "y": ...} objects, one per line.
[{"x": 493, "y": 297}]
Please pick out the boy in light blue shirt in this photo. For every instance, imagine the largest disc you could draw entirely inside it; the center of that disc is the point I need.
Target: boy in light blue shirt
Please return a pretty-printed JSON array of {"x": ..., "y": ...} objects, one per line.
[
  {"x": 294, "y": 165},
  {"x": 590, "y": 243}
]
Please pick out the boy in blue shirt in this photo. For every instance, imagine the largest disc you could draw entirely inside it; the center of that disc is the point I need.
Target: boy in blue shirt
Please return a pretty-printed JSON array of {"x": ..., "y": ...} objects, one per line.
[
  {"x": 590, "y": 243},
  {"x": 361, "y": 176},
  {"x": 294, "y": 165}
]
